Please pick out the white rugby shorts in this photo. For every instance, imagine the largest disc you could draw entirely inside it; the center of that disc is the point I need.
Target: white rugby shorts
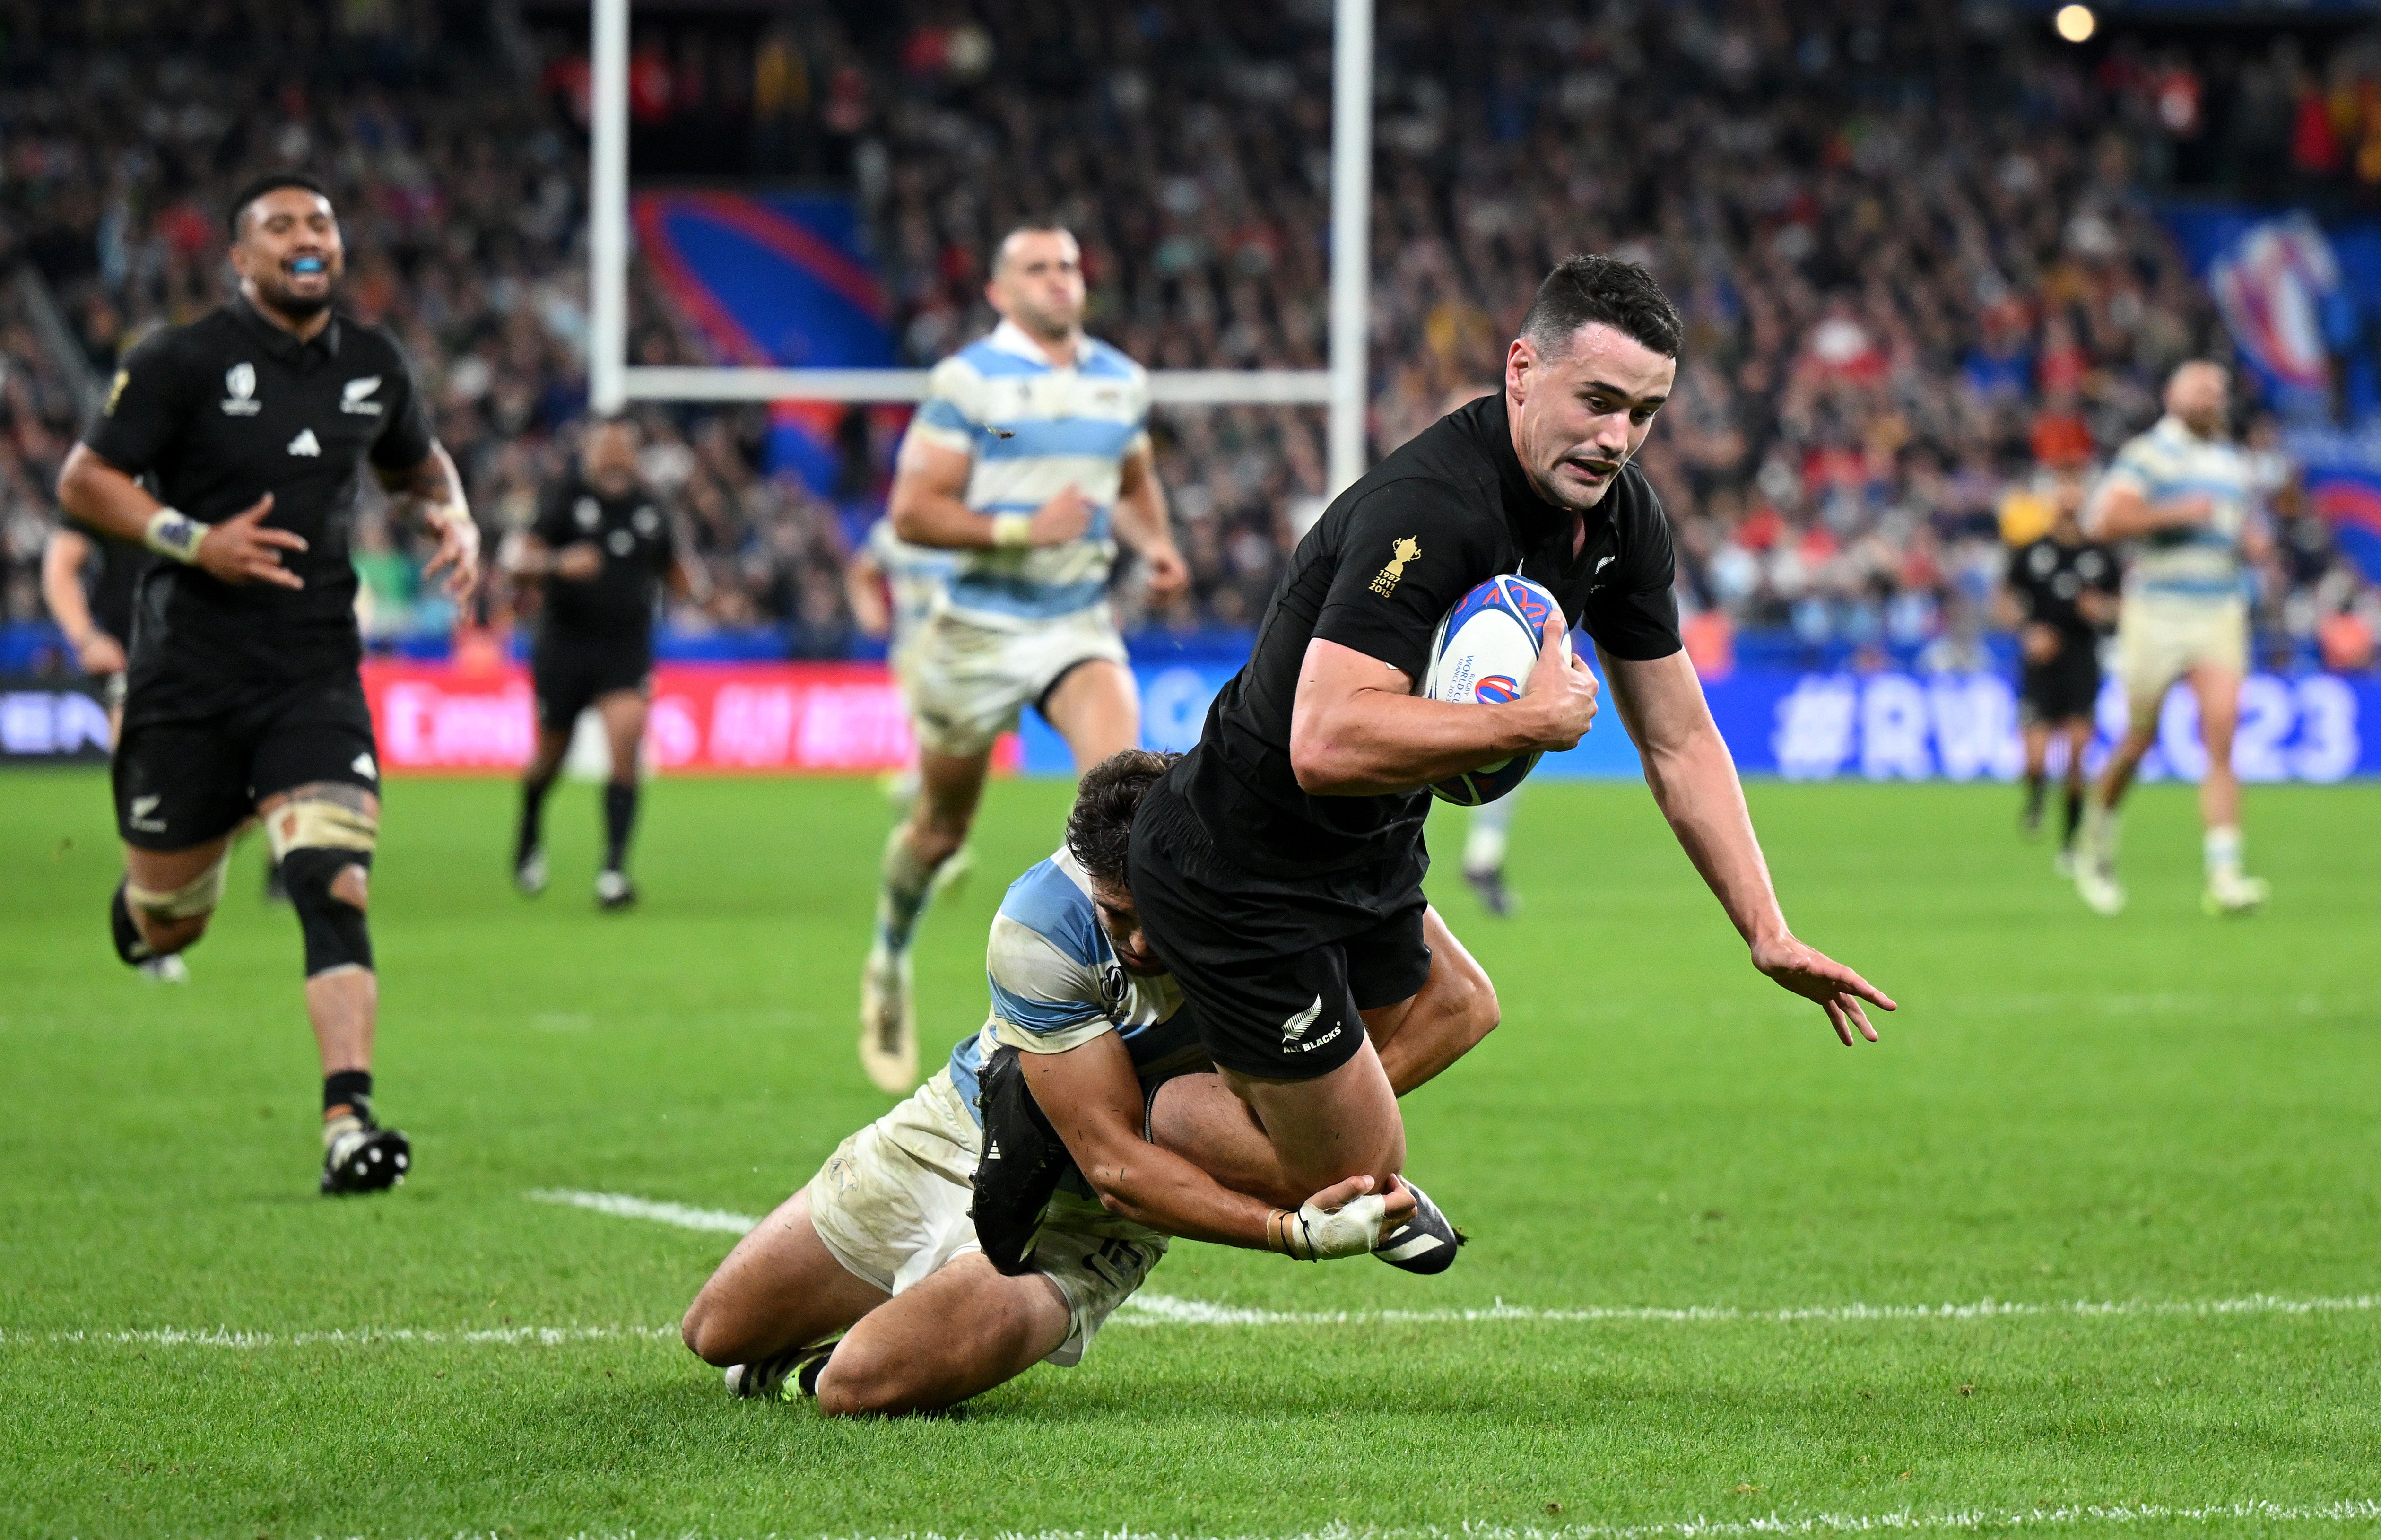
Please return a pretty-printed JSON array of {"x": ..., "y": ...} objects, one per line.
[
  {"x": 967, "y": 683},
  {"x": 2160, "y": 639},
  {"x": 891, "y": 1204}
]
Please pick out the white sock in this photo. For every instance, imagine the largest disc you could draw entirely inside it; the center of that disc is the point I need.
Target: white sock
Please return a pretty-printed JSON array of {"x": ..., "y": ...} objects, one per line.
[
  {"x": 1483, "y": 848},
  {"x": 2223, "y": 851}
]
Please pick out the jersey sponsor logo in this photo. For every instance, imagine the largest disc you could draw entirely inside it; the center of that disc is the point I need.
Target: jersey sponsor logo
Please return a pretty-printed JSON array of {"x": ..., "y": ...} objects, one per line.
[
  {"x": 141, "y": 808},
  {"x": 239, "y": 391},
  {"x": 1296, "y": 1027},
  {"x": 305, "y": 442},
  {"x": 356, "y": 397},
  {"x": 1385, "y": 582},
  {"x": 116, "y": 392}
]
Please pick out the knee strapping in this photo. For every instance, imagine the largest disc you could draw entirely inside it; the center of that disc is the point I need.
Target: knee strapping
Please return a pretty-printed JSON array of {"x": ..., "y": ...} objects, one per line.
[
  {"x": 197, "y": 897},
  {"x": 323, "y": 837}
]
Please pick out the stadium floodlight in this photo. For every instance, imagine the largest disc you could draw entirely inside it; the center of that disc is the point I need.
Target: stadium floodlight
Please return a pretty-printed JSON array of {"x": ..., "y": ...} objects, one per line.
[{"x": 613, "y": 382}]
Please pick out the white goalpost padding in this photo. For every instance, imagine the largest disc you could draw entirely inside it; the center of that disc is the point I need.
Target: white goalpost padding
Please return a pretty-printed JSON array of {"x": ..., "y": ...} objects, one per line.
[{"x": 613, "y": 382}]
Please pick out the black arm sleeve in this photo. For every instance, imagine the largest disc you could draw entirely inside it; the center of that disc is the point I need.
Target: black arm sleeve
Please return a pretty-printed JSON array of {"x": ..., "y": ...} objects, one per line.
[
  {"x": 405, "y": 440},
  {"x": 1411, "y": 550},
  {"x": 149, "y": 402},
  {"x": 1635, "y": 616}
]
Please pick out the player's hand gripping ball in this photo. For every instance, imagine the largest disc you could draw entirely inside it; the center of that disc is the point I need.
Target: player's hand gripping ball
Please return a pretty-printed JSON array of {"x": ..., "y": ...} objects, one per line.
[{"x": 1483, "y": 653}]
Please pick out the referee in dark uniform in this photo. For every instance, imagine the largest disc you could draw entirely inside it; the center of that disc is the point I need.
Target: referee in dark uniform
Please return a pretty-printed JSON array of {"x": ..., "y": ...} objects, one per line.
[
  {"x": 2062, "y": 595},
  {"x": 232, "y": 448},
  {"x": 602, "y": 545},
  {"x": 1279, "y": 866}
]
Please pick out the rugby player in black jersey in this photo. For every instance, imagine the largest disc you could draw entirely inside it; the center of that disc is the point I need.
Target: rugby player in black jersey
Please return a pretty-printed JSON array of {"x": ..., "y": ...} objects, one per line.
[
  {"x": 2061, "y": 595},
  {"x": 232, "y": 448},
  {"x": 1278, "y": 867},
  {"x": 602, "y": 545}
]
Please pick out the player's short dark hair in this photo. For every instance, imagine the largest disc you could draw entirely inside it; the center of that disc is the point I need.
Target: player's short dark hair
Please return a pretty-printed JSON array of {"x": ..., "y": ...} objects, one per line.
[
  {"x": 272, "y": 181},
  {"x": 1001, "y": 248},
  {"x": 1586, "y": 288},
  {"x": 1099, "y": 830}
]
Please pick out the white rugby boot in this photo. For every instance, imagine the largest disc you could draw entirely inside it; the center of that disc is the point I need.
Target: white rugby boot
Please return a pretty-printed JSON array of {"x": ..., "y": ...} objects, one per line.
[
  {"x": 889, "y": 1024},
  {"x": 2230, "y": 893}
]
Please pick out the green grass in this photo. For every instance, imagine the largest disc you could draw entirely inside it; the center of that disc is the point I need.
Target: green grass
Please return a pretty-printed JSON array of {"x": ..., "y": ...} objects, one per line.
[{"x": 2159, "y": 1108}]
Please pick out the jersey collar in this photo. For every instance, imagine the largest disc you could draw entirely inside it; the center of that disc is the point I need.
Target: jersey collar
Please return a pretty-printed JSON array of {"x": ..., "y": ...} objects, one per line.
[
  {"x": 1010, "y": 338},
  {"x": 279, "y": 343}
]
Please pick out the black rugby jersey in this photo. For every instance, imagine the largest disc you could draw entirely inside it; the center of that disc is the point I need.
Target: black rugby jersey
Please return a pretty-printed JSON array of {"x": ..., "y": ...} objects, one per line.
[
  {"x": 2049, "y": 578},
  {"x": 1389, "y": 557},
  {"x": 633, "y": 531},
  {"x": 212, "y": 416}
]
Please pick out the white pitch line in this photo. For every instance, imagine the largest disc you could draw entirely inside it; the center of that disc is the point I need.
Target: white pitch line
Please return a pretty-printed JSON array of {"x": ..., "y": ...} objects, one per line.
[
  {"x": 224, "y": 1336},
  {"x": 1958, "y": 1521},
  {"x": 627, "y": 1207},
  {"x": 1164, "y": 1310}
]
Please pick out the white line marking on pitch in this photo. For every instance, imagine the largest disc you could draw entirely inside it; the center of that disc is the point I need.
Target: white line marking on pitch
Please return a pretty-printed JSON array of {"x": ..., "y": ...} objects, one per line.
[
  {"x": 627, "y": 1207},
  {"x": 2354, "y": 1510},
  {"x": 224, "y": 1337},
  {"x": 1164, "y": 1310}
]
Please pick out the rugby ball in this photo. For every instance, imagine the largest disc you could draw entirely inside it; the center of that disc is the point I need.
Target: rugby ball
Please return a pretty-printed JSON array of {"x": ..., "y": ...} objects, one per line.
[{"x": 1483, "y": 653}]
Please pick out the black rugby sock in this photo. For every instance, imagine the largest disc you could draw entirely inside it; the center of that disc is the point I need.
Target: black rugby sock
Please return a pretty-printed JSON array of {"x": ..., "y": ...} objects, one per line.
[
  {"x": 2036, "y": 785},
  {"x": 2074, "y": 815},
  {"x": 619, "y": 822},
  {"x": 350, "y": 1089},
  {"x": 532, "y": 815}
]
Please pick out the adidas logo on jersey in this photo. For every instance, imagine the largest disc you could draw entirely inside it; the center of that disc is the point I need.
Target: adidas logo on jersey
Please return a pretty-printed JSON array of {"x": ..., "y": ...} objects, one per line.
[{"x": 305, "y": 442}]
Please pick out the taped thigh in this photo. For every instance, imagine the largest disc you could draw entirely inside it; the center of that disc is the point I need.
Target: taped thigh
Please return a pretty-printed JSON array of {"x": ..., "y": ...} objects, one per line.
[
  {"x": 197, "y": 897},
  {"x": 323, "y": 837},
  {"x": 323, "y": 815}
]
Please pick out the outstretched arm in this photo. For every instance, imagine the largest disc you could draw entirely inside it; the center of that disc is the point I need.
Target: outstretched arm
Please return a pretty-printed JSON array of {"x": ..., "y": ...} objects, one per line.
[
  {"x": 1693, "y": 779},
  {"x": 1094, "y": 1100}
]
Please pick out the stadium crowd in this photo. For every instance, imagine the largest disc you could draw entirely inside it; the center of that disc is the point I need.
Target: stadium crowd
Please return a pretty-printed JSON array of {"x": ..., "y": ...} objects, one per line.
[{"x": 1881, "y": 366}]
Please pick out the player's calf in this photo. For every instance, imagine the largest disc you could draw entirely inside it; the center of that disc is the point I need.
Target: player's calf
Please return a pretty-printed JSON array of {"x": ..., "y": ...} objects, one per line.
[{"x": 148, "y": 923}]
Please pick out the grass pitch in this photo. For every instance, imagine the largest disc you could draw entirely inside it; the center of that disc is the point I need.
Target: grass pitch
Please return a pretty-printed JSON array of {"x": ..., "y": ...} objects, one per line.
[{"x": 2167, "y": 1116}]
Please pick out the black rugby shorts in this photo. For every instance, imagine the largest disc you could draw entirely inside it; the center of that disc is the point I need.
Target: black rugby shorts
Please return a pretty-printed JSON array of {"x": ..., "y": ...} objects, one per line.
[
  {"x": 1274, "y": 971},
  {"x": 2063, "y": 690},
  {"x": 182, "y": 782},
  {"x": 568, "y": 677}
]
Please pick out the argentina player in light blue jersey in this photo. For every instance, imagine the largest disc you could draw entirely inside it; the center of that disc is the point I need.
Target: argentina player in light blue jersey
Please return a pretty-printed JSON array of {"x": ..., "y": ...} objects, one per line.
[
  {"x": 999, "y": 1215},
  {"x": 2181, "y": 496},
  {"x": 1029, "y": 463}
]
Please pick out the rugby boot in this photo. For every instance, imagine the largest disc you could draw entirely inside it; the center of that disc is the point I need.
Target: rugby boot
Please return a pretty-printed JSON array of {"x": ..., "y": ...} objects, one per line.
[
  {"x": 889, "y": 1024},
  {"x": 366, "y": 1159},
  {"x": 614, "y": 891},
  {"x": 2234, "y": 893},
  {"x": 1425, "y": 1243},
  {"x": 528, "y": 873},
  {"x": 796, "y": 1369},
  {"x": 1022, "y": 1162},
  {"x": 1489, "y": 884},
  {"x": 2095, "y": 882},
  {"x": 169, "y": 969}
]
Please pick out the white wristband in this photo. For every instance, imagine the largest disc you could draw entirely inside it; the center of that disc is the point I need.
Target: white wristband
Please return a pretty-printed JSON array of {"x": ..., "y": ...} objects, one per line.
[
  {"x": 173, "y": 533},
  {"x": 1012, "y": 530}
]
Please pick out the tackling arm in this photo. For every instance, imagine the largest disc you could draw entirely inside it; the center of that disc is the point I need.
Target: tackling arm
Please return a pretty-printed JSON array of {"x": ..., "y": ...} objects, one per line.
[
  {"x": 1095, "y": 1103},
  {"x": 1693, "y": 780}
]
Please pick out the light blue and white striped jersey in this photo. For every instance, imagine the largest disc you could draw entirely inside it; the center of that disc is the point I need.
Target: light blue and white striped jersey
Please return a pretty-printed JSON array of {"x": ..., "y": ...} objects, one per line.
[
  {"x": 1071, "y": 426},
  {"x": 1056, "y": 985},
  {"x": 915, "y": 574},
  {"x": 2197, "y": 563}
]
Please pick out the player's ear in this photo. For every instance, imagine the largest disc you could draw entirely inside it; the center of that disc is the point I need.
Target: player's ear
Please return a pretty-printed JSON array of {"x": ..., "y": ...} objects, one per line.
[{"x": 1519, "y": 360}]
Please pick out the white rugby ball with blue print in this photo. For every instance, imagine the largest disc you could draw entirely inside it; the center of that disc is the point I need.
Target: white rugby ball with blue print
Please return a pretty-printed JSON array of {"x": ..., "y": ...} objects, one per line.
[{"x": 1483, "y": 653}]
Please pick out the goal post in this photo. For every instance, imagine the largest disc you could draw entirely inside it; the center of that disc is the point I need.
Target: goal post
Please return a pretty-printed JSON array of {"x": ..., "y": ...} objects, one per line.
[{"x": 613, "y": 382}]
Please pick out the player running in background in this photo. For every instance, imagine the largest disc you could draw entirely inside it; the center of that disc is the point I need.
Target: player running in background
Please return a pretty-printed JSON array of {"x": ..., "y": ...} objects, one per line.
[
  {"x": 244, "y": 696},
  {"x": 1029, "y": 462},
  {"x": 2181, "y": 493},
  {"x": 1278, "y": 867},
  {"x": 871, "y": 1289},
  {"x": 87, "y": 581},
  {"x": 602, "y": 547},
  {"x": 2061, "y": 596}
]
